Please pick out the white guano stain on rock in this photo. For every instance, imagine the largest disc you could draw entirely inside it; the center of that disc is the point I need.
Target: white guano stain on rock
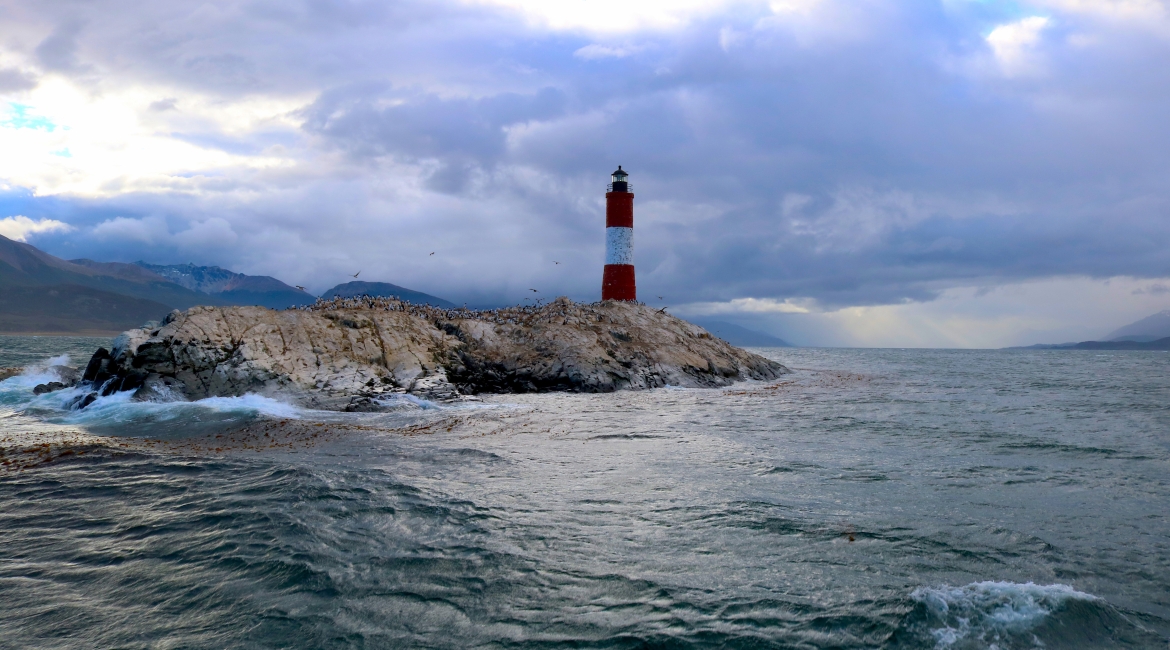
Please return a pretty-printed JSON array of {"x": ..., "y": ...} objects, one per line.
[{"x": 344, "y": 353}]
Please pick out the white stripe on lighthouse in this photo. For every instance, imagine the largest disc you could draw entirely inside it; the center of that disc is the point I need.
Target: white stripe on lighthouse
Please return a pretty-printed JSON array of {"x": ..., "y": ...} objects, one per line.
[{"x": 619, "y": 245}]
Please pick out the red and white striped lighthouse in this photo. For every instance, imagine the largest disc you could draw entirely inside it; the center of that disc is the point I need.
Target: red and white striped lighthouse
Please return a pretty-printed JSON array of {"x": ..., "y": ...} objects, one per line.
[{"x": 617, "y": 283}]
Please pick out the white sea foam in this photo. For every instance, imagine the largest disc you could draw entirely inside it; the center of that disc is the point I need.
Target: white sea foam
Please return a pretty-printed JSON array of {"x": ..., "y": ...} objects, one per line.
[
  {"x": 395, "y": 400},
  {"x": 989, "y": 610},
  {"x": 122, "y": 408},
  {"x": 38, "y": 373}
]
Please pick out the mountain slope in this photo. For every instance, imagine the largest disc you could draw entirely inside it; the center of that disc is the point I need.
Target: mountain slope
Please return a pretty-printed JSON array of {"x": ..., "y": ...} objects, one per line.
[
  {"x": 384, "y": 290},
  {"x": 236, "y": 288},
  {"x": 1149, "y": 328},
  {"x": 22, "y": 265}
]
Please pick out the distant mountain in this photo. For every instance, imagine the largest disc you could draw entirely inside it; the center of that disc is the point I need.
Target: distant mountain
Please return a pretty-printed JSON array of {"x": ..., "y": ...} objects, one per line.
[
  {"x": 27, "y": 266},
  {"x": 234, "y": 288},
  {"x": 46, "y": 294},
  {"x": 1159, "y": 344},
  {"x": 1150, "y": 328},
  {"x": 386, "y": 290},
  {"x": 741, "y": 336}
]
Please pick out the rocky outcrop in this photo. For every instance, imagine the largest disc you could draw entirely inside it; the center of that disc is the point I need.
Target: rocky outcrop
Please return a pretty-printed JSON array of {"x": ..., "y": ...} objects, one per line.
[{"x": 352, "y": 353}]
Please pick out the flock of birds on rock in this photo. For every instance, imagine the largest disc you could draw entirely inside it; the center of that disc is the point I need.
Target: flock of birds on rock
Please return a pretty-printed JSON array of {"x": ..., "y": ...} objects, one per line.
[{"x": 561, "y": 309}]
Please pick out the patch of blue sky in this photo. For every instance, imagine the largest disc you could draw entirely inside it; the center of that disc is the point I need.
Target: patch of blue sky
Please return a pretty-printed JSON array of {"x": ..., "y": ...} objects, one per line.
[
  {"x": 19, "y": 117},
  {"x": 990, "y": 14},
  {"x": 63, "y": 153}
]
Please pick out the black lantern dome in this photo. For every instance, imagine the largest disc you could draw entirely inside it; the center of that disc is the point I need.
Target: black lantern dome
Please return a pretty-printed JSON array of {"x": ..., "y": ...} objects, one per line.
[{"x": 619, "y": 181}]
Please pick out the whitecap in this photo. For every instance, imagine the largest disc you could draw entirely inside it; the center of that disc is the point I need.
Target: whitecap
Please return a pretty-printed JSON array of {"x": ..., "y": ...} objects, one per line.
[
  {"x": 397, "y": 400},
  {"x": 121, "y": 407},
  {"x": 989, "y": 611},
  {"x": 34, "y": 374}
]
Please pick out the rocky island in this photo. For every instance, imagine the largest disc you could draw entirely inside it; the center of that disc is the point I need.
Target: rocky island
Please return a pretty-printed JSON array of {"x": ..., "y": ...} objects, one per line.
[{"x": 354, "y": 353}]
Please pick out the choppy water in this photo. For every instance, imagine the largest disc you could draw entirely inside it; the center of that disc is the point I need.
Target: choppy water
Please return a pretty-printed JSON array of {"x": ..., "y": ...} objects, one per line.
[{"x": 874, "y": 499}]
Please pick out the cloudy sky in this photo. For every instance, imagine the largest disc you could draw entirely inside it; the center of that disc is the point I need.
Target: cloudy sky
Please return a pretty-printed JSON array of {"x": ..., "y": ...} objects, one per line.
[{"x": 960, "y": 173}]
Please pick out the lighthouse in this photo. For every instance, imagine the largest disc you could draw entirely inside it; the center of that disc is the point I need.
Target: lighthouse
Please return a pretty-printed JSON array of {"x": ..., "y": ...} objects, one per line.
[{"x": 617, "y": 283}]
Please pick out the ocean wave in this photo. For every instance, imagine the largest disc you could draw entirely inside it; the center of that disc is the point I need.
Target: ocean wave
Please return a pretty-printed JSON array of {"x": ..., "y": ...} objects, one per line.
[
  {"x": 1005, "y": 615},
  {"x": 985, "y": 609},
  {"x": 167, "y": 415},
  {"x": 400, "y": 400},
  {"x": 38, "y": 373},
  {"x": 121, "y": 414}
]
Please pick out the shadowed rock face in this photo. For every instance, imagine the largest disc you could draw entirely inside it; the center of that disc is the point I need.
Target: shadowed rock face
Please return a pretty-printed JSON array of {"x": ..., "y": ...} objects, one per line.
[{"x": 343, "y": 353}]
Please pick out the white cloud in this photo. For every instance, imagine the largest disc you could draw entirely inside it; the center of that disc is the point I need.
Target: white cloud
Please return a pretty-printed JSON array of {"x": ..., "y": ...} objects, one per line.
[
  {"x": 117, "y": 143},
  {"x": 1014, "y": 45},
  {"x": 20, "y": 227},
  {"x": 599, "y": 51},
  {"x": 1149, "y": 12},
  {"x": 746, "y": 306},
  {"x": 213, "y": 232},
  {"x": 147, "y": 230},
  {"x": 611, "y": 15}
]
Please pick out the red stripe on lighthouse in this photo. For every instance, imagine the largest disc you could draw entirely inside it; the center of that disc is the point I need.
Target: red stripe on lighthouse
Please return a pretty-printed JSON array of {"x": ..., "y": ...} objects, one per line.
[
  {"x": 619, "y": 209},
  {"x": 617, "y": 283}
]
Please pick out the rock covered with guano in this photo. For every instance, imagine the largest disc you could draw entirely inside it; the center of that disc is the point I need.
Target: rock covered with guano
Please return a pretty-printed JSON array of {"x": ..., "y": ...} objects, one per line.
[{"x": 355, "y": 353}]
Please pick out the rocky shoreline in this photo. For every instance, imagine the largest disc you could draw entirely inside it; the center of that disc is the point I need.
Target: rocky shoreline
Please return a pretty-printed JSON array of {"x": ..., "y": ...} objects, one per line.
[{"x": 353, "y": 354}]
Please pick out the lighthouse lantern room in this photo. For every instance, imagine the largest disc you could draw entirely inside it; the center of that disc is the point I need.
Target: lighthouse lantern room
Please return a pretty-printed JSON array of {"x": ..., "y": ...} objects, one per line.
[{"x": 617, "y": 282}]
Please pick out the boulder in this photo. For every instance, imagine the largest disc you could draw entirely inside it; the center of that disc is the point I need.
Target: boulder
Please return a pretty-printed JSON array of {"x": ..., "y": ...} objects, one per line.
[{"x": 41, "y": 389}]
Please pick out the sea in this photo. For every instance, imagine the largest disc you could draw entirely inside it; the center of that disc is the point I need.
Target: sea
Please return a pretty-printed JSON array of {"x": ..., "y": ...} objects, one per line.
[{"x": 874, "y": 498}]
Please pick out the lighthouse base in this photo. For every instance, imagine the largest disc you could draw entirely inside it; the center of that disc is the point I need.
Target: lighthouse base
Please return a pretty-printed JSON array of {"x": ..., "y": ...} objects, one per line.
[{"x": 617, "y": 283}]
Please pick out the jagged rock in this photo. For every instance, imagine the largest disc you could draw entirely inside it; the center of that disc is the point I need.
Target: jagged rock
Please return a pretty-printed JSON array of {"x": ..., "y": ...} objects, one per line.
[
  {"x": 342, "y": 354},
  {"x": 9, "y": 372}
]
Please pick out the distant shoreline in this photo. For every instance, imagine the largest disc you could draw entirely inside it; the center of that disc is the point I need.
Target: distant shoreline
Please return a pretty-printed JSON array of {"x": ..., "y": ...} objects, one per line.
[{"x": 86, "y": 333}]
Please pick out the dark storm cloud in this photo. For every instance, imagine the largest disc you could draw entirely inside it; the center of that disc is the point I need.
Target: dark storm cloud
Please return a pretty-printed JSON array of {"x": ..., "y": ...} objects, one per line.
[
  {"x": 864, "y": 153},
  {"x": 423, "y": 125},
  {"x": 59, "y": 50}
]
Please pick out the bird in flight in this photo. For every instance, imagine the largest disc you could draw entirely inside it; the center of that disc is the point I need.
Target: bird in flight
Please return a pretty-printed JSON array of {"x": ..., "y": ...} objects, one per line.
[
  {"x": 555, "y": 262},
  {"x": 357, "y": 274},
  {"x": 534, "y": 290},
  {"x": 432, "y": 252},
  {"x": 299, "y": 287},
  {"x": 660, "y": 297}
]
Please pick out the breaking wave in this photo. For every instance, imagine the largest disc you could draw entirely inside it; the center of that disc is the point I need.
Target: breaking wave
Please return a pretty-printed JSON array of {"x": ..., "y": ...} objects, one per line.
[
  {"x": 38, "y": 373},
  {"x": 1008, "y": 615},
  {"x": 120, "y": 414},
  {"x": 166, "y": 415}
]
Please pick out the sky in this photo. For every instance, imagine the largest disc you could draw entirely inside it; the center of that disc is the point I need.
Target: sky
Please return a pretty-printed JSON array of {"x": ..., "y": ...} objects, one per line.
[{"x": 955, "y": 173}]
